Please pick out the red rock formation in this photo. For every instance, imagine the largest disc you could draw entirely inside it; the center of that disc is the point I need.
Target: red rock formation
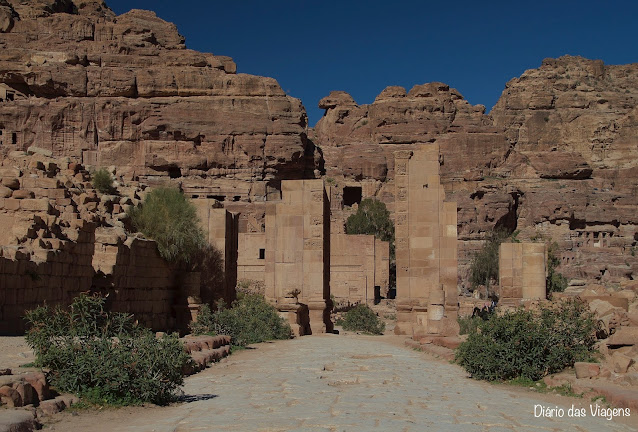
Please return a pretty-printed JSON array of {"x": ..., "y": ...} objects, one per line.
[
  {"x": 124, "y": 91},
  {"x": 555, "y": 157}
]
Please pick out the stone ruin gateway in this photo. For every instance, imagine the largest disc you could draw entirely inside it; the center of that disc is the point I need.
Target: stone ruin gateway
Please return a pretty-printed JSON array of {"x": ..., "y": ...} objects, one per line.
[{"x": 124, "y": 93}]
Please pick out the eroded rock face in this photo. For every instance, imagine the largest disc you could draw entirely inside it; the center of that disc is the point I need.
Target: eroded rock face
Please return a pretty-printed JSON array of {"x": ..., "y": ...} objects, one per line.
[
  {"x": 556, "y": 158},
  {"x": 124, "y": 90}
]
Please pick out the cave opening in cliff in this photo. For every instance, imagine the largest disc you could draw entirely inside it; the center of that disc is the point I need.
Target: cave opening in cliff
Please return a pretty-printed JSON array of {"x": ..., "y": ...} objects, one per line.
[
  {"x": 14, "y": 138},
  {"x": 174, "y": 172},
  {"x": 351, "y": 195}
]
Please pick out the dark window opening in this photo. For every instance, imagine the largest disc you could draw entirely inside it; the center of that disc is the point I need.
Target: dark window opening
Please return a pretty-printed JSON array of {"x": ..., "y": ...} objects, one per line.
[
  {"x": 217, "y": 197},
  {"x": 377, "y": 294},
  {"x": 262, "y": 253},
  {"x": 174, "y": 172},
  {"x": 10, "y": 96},
  {"x": 351, "y": 195},
  {"x": 194, "y": 196},
  {"x": 14, "y": 138},
  {"x": 0, "y": 132},
  {"x": 236, "y": 198}
]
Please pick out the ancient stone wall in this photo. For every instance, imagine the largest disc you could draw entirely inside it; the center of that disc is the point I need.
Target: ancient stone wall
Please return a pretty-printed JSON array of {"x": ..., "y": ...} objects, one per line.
[
  {"x": 426, "y": 251},
  {"x": 297, "y": 273},
  {"x": 522, "y": 271},
  {"x": 60, "y": 238},
  {"x": 358, "y": 264},
  {"x": 221, "y": 229}
]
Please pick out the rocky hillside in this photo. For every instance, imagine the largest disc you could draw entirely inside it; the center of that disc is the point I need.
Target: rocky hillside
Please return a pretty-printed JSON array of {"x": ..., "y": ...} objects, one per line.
[
  {"x": 556, "y": 157},
  {"x": 124, "y": 91}
]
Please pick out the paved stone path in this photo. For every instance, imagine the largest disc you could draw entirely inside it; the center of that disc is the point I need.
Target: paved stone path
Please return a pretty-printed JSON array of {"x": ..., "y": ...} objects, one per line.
[{"x": 339, "y": 383}]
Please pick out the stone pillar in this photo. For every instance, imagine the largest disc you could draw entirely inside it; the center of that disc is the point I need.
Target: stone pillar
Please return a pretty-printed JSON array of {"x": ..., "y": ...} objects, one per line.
[
  {"x": 297, "y": 268},
  {"x": 523, "y": 271},
  {"x": 426, "y": 246}
]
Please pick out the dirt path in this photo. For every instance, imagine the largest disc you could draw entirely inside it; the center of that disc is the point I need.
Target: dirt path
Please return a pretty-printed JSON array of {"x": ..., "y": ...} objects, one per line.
[{"x": 337, "y": 383}]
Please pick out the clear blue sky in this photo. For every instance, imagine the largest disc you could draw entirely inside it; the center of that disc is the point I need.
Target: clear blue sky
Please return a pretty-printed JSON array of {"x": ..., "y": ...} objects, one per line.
[{"x": 313, "y": 47}]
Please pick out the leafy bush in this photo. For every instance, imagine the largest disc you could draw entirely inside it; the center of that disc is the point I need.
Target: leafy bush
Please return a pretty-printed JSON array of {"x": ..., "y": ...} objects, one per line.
[
  {"x": 102, "y": 181},
  {"x": 171, "y": 220},
  {"x": 362, "y": 318},
  {"x": 250, "y": 320},
  {"x": 530, "y": 344},
  {"x": 373, "y": 218},
  {"x": 104, "y": 356},
  {"x": 468, "y": 324}
]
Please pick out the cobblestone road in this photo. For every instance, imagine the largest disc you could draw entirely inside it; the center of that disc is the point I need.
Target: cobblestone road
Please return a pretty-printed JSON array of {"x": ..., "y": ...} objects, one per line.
[{"x": 339, "y": 383}]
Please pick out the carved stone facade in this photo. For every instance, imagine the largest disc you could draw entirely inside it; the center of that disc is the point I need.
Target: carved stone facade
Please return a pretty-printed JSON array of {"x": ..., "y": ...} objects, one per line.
[
  {"x": 426, "y": 246},
  {"x": 297, "y": 272}
]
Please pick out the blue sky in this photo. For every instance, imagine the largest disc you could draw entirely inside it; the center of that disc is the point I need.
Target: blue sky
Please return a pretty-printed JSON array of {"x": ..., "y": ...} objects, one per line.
[{"x": 313, "y": 47}]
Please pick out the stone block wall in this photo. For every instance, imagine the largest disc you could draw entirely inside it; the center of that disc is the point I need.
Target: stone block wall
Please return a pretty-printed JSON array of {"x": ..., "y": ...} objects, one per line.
[
  {"x": 251, "y": 257},
  {"x": 426, "y": 246},
  {"x": 522, "y": 271},
  {"x": 60, "y": 238},
  {"x": 297, "y": 270},
  {"x": 358, "y": 264},
  {"x": 136, "y": 278}
]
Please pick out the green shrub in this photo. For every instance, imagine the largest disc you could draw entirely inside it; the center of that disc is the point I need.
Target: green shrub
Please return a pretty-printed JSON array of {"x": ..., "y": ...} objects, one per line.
[
  {"x": 468, "y": 324},
  {"x": 249, "y": 320},
  {"x": 530, "y": 344},
  {"x": 167, "y": 217},
  {"x": 103, "y": 356},
  {"x": 362, "y": 318},
  {"x": 102, "y": 181}
]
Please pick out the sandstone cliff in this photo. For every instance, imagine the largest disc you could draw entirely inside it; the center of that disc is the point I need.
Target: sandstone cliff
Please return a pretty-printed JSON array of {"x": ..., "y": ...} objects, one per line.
[
  {"x": 556, "y": 157},
  {"x": 125, "y": 91}
]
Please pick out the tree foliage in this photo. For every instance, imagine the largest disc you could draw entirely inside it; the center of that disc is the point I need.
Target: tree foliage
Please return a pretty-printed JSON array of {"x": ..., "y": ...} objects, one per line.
[
  {"x": 556, "y": 282},
  {"x": 484, "y": 265},
  {"x": 170, "y": 219},
  {"x": 104, "y": 356},
  {"x": 373, "y": 218}
]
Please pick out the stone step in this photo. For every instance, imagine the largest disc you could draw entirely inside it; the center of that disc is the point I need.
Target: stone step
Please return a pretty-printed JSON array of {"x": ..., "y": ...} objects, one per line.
[{"x": 17, "y": 421}]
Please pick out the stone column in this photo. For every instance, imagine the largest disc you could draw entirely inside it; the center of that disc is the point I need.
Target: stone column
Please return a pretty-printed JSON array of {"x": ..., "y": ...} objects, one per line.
[
  {"x": 522, "y": 271},
  {"x": 297, "y": 268},
  {"x": 426, "y": 250}
]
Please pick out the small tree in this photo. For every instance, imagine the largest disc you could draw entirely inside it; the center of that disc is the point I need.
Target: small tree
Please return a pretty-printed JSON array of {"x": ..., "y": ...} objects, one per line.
[
  {"x": 102, "y": 181},
  {"x": 484, "y": 266},
  {"x": 556, "y": 282},
  {"x": 373, "y": 218},
  {"x": 167, "y": 217}
]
